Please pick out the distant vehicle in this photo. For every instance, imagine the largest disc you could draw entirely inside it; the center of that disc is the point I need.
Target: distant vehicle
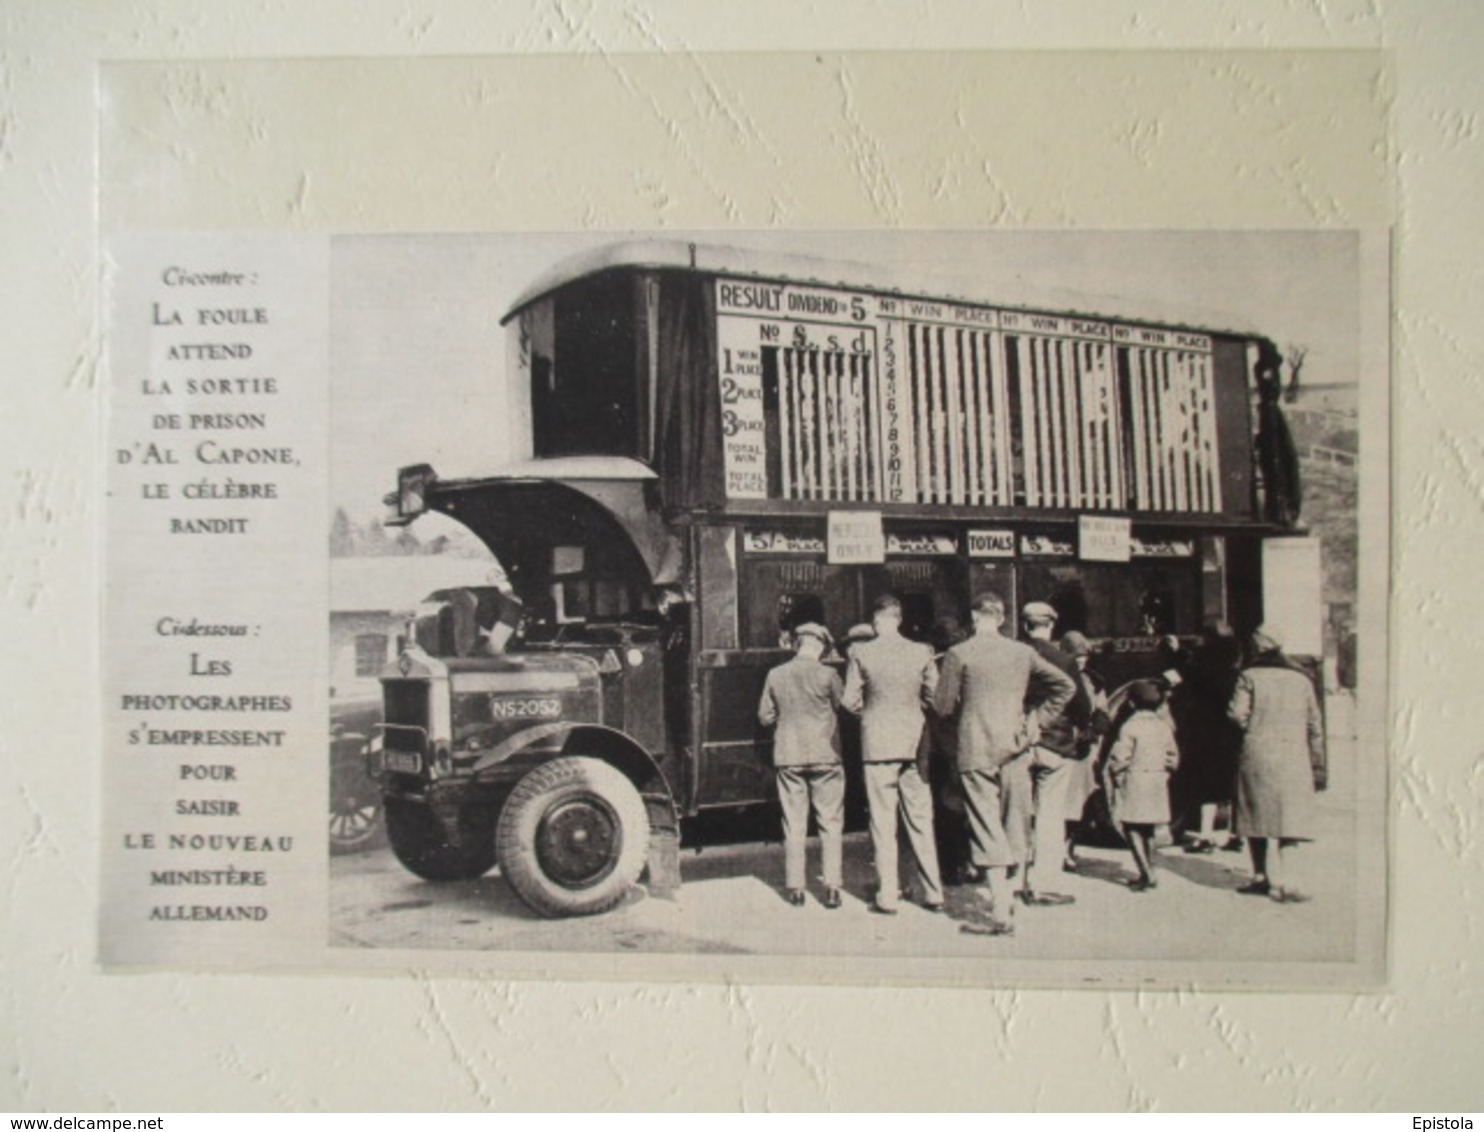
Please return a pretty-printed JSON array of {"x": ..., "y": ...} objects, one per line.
[{"x": 355, "y": 797}]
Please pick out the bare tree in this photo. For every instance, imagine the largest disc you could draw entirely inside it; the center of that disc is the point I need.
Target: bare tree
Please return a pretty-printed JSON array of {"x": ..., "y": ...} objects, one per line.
[{"x": 1296, "y": 356}]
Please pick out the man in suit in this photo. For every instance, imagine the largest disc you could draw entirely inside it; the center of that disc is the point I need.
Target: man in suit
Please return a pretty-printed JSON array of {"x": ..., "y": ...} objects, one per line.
[
  {"x": 801, "y": 699},
  {"x": 1037, "y": 786},
  {"x": 1001, "y": 692},
  {"x": 889, "y": 684}
]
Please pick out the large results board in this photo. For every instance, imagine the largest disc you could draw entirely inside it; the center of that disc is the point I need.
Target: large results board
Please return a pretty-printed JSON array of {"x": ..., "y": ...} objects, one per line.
[{"x": 845, "y": 396}]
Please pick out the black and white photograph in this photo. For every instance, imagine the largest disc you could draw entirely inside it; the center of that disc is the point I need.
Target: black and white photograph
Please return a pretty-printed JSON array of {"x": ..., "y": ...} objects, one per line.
[
  {"x": 796, "y": 558},
  {"x": 909, "y": 605}
]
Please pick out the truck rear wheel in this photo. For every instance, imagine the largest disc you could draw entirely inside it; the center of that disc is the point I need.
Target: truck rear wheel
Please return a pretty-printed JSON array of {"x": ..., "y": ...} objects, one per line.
[
  {"x": 573, "y": 837},
  {"x": 420, "y": 842}
]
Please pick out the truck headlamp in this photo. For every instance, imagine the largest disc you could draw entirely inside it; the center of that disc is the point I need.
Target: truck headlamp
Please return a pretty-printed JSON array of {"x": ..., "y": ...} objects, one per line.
[{"x": 411, "y": 497}]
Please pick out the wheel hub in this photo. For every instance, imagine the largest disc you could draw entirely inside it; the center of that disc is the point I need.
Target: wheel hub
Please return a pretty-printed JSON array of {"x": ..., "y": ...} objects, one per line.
[{"x": 578, "y": 842}]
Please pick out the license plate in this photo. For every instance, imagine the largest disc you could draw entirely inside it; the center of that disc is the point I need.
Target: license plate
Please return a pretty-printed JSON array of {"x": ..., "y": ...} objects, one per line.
[{"x": 403, "y": 762}]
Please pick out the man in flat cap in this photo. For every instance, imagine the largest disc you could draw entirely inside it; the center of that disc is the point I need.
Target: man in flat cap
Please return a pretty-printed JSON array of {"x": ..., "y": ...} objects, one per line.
[
  {"x": 999, "y": 690},
  {"x": 801, "y": 699},
  {"x": 1037, "y": 788},
  {"x": 889, "y": 684}
]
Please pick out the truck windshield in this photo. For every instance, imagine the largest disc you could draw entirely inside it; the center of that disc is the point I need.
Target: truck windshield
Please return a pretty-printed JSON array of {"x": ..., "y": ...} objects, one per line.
[
  {"x": 570, "y": 563},
  {"x": 582, "y": 606}
]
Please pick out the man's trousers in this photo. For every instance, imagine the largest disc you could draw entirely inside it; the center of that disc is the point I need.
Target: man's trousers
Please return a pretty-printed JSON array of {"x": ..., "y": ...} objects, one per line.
[
  {"x": 823, "y": 787},
  {"x": 897, "y": 789}
]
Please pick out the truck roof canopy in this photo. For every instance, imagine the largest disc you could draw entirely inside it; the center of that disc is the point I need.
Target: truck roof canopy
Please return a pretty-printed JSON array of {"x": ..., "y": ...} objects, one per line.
[{"x": 904, "y": 279}]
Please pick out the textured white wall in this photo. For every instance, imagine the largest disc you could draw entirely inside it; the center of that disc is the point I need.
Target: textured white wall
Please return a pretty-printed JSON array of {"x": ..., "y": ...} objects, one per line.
[{"x": 71, "y": 1038}]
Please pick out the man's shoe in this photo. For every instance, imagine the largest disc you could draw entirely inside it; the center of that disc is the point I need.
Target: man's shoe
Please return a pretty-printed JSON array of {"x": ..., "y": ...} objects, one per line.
[
  {"x": 988, "y": 927},
  {"x": 832, "y": 898},
  {"x": 794, "y": 896},
  {"x": 1256, "y": 888},
  {"x": 1140, "y": 884},
  {"x": 1044, "y": 899},
  {"x": 882, "y": 909},
  {"x": 1051, "y": 899},
  {"x": 935, "y": 908},
  {"x": 1233, "y": 845},
  {"x": 1287, "y": 896},
  {"x": 1201, "y": 845}
]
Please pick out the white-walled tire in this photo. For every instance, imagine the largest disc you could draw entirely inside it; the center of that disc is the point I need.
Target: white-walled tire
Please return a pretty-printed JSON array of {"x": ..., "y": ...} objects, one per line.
[{"x": 573, "y": 837}]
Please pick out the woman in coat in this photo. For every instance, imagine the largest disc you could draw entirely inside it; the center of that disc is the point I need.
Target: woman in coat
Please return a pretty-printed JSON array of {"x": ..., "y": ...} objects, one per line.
[
  {"x": 1139, "y": 767},
  {"x": 1281, "y": 764}
]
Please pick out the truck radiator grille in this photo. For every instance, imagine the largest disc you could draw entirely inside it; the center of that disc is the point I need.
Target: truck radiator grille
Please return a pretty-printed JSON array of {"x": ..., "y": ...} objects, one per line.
[{"x": 406, "y": 712}]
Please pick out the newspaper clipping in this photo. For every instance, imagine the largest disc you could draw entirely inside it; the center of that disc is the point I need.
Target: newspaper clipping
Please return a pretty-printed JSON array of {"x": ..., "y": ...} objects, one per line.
[{"x": 957, "y": 607}]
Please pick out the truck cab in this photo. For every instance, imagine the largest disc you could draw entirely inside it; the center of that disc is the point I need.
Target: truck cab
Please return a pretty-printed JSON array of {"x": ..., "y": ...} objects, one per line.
[{"x": 548, "y": 752}]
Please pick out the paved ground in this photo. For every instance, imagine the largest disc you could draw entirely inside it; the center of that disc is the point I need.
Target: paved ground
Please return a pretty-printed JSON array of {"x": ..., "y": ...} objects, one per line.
[{"x": 730, "y": 903}]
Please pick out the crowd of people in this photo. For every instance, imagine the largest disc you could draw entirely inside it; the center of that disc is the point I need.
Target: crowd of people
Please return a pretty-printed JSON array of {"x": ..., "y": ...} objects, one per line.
[{"x": 986, "y": 753}]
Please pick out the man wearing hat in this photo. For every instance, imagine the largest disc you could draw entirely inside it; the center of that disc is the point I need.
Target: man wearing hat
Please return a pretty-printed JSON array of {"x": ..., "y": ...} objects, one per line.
[
  {"x": 801, "y": 698},
  {"x": 998, "y": 690},
  {"x": 889, "y": 684},
  {"x": 1038, "y": 786}
]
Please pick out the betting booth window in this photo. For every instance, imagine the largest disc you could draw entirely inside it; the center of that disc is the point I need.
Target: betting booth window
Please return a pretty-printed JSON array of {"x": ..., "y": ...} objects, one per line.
[
  {"x": 1140, "y": 599},
  {"x": 782, "y": 595}
]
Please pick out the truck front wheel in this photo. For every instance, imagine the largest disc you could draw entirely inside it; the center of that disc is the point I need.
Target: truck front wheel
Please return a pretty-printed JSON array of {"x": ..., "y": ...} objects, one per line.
[
  {"x": 421, "y": 843},
  {"x": 573, "y": 837}
]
